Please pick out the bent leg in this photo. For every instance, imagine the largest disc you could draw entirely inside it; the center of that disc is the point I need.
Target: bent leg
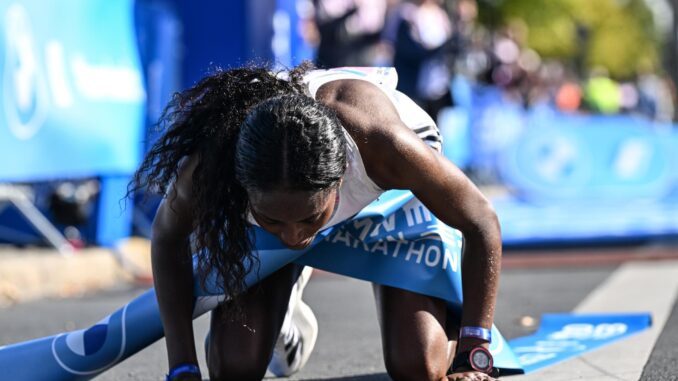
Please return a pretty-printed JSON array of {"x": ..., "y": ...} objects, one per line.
[
  {"x": 242, "y": 350},
  {"x": 417, "y": 341}
]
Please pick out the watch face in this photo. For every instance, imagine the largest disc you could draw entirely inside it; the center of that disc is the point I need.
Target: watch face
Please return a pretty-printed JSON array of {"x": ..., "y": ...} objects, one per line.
[{"x": 480, "y": 360}]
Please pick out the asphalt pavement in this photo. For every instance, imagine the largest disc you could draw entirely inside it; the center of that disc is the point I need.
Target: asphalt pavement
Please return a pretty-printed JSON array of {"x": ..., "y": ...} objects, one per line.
[{"x": 349, "y": 346}]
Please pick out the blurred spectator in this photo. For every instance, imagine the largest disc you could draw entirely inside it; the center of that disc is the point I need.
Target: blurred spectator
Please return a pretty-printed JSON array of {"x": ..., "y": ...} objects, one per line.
[
  {"x": 656, "y": 97},
  {"x": 568, "y": 97},
  {"x": 475, "y": 60},
  {"x": 348, "y": 31},
  {"x": 628, "y": 96},
  {"x": 420, "y": 34},
  {"x": 601, "y": 93}
]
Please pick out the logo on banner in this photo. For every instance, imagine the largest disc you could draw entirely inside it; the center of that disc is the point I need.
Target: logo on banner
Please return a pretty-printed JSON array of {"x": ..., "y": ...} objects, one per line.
[
  {"x": 24, "y": 89},
  {"x": 411, "y": 234},
  {"x": 92, "y": 350},
  {"x": 585, "y": 331}
]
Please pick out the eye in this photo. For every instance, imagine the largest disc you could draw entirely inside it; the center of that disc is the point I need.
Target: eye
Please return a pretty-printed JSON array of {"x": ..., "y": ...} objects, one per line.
[
  {"x": 269, "y": 222},
  {"x": 311, "y": 220},
  {"x": 262, "y": 219}
]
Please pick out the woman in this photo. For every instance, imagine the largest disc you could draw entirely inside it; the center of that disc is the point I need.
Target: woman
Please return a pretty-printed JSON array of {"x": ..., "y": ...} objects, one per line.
[{"x": 296, "y": 153}]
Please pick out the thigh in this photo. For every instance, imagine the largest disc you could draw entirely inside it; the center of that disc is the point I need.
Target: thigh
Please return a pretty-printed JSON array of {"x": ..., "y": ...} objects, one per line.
[
  {"x": 418, "y": 336},
  {"x": 242, "y": 348}
]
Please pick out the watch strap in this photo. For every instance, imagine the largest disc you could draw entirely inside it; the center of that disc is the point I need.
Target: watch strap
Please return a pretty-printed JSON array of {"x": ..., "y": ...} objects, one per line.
[
  {"x": 476, "y": 332},
  {"x": 461, "y": 360}
]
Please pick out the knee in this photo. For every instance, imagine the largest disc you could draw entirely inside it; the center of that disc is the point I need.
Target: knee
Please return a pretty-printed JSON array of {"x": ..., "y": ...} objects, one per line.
[
  {"x": 237, "y": 368},
  {"x": 410, "y": 366}
]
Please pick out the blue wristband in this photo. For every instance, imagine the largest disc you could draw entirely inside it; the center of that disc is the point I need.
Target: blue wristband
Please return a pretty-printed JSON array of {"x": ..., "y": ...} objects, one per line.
[
  {"x": 476, "y": 332},
  {"x": 181, "y": 369}
]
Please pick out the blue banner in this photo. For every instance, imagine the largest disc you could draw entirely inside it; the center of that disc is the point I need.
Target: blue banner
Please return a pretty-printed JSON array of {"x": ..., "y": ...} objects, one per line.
[
  {"x": 588, "y": 178},
  {"x": 600, "y": 158},
  {"x": 72, "y": 97},
  {"x": 573, "y": 178}
]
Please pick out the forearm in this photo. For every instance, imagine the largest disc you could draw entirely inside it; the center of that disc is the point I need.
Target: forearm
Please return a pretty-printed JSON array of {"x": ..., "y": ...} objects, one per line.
[
  {"x": 480, "y": 277},
  {"x": 173, "y": 279}
]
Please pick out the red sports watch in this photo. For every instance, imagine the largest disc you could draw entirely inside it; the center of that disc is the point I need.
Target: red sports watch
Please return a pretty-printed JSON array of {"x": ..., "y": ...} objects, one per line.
[{"x": 478, "y": 359}]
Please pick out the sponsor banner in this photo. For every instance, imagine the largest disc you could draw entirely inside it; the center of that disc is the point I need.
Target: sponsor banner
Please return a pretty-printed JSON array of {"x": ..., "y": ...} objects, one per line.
[
  {"x": 576, "y": 158},
  {"x": 71, "y": 89},
  {"x": 528, "y": 223}
]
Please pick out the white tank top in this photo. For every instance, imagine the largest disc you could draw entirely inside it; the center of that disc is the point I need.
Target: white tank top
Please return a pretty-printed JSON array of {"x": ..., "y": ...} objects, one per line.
[{"x": 357, "y": 190}]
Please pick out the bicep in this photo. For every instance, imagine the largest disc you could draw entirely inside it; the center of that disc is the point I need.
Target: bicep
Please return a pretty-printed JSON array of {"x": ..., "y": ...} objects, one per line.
[{"x": 434, "y": 180}]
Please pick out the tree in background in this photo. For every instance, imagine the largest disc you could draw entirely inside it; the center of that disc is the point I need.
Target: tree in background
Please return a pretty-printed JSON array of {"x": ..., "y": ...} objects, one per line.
[{"x": 618, "y": 35}]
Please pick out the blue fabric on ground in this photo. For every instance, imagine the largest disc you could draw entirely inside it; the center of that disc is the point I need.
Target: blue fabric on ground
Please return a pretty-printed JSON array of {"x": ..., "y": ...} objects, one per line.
[{"x": 563, "y": 336}]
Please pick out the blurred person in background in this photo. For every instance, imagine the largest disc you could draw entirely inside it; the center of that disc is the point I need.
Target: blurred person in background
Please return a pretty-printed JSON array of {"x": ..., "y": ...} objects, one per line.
[
  {"x": 568, "y": 97},
  {"x": 656, "y": 97},
  {"x": 245, "y": 144},
  {"x": 601, "y": 93},
  {"x": 420, "y": 35},
  {"x": 348, "y": 32}
]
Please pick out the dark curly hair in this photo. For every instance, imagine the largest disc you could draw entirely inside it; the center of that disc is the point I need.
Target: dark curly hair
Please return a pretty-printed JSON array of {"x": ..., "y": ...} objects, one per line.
[{"x": 252, "y": 129}]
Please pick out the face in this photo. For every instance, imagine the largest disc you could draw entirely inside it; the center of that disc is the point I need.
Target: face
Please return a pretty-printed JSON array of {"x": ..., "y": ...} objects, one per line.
[{"x": 295, "y": 217}]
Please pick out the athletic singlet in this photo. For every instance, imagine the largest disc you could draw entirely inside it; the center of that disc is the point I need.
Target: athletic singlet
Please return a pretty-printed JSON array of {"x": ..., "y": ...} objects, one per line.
[{"x": 357, "y": 190}]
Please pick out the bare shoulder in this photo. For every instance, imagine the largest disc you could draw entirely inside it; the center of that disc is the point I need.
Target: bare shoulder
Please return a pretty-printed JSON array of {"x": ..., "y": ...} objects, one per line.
[
  {"x": 174, "y": 215},
  {"x": 360, "y": 102},
  {"x": 183, "y": 185},
  {"x": 373, "y": 122}
]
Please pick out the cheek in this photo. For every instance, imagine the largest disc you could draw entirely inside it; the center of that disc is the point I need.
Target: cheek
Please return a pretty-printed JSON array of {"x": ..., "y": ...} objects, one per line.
[
  {"x": 269, "y": 228},
  {"x": 325, "y": 218},
  {"x": 315, "y": 227},
  {"x": 331, "y": 207}
]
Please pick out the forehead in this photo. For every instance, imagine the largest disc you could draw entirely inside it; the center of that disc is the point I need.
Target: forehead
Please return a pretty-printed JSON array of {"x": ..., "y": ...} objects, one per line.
[{"x": 289, "y": 205}]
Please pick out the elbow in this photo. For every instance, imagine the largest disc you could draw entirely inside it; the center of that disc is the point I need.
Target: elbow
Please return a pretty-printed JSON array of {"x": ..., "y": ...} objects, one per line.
[
  {"x": 491, "y": 219},
  {"x": 484, "y": 224}
]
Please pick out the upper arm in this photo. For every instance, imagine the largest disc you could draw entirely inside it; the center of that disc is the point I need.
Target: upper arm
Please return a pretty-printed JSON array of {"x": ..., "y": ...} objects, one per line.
[
  {"x": 174, "y": 219},
  {"x": 395, "y": 157}
]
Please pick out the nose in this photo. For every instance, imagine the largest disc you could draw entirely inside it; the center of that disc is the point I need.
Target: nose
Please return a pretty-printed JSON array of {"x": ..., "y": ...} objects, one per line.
[{"x": 293, "y": 235}]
